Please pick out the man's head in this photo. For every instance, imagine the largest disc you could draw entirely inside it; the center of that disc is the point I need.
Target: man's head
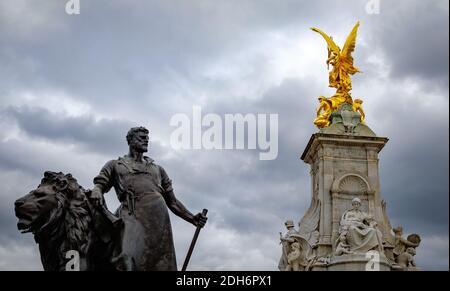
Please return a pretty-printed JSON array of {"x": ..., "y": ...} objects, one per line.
[
  {"x": 289, "y": 224},
  {"x": 411, "y": 251},
  {"x": 295, "y": 246},
  {"x": 398, "y": 230},
  {"x": 137, "y": 138}
]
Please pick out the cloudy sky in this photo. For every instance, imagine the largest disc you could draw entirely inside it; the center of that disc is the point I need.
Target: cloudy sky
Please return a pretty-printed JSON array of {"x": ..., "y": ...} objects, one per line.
[{"x": 72, "y": 85}]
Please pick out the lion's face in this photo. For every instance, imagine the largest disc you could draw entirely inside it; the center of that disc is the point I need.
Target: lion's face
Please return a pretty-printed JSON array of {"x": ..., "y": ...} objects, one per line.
[{"x": 34, "y": 209}]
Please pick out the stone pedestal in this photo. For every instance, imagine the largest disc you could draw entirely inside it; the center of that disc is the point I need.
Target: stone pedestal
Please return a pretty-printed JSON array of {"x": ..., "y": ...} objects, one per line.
[{"x": 344, "y": 167}]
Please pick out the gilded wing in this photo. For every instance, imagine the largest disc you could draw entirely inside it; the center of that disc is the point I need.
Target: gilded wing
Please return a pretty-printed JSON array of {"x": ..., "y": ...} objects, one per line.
[
  {"x": 331, "y": 44},
  {"x": 350, "y": 43}
]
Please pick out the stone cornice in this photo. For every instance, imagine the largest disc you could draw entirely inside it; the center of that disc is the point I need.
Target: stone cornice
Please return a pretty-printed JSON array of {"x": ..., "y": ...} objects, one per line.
[{"x": 318, "y": 139}]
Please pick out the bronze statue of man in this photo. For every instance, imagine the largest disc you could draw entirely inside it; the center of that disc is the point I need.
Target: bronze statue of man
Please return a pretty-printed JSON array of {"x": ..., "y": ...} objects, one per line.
[{"x": 145, "y": 192}]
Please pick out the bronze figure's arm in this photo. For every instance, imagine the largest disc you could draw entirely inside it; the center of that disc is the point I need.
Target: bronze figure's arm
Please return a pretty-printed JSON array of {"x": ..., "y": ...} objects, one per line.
[
  {"x": 180, "y": 210},
  {"x": 175, "y": 205},
  {"x": 102, "y": 183},
  {"x": 97, "y": 195}
]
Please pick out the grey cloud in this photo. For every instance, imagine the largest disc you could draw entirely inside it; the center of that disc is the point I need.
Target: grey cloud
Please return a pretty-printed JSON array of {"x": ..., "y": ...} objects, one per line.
[
  {"x": 434, "y": 251},
  {"x": 243, "y": 184},
  {"x": 134, "y": 55},
  {"x": 414, "y": 36},
  {"x": 414, "y": 167},
  {"x": 104, "y": 135}
]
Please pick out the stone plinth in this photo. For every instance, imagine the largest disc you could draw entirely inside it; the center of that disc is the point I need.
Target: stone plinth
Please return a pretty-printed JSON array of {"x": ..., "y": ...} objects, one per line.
[{"x": 344, "y": 167}]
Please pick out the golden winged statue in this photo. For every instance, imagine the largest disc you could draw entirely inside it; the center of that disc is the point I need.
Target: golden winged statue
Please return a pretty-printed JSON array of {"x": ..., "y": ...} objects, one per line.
[{"x": 339, "y": 76}]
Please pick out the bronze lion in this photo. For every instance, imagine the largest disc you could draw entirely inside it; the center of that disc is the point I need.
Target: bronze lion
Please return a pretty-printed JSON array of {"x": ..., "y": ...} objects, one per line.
[{"x": 61, "y": 217}]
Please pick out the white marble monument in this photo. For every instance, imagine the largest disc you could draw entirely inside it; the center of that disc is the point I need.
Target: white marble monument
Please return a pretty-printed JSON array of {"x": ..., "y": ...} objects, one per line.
[{"x": 346, "y": 226}]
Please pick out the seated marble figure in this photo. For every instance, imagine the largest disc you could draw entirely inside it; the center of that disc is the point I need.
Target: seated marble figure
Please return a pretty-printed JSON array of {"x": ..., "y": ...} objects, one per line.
[{"x": 360, "y": 230}]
